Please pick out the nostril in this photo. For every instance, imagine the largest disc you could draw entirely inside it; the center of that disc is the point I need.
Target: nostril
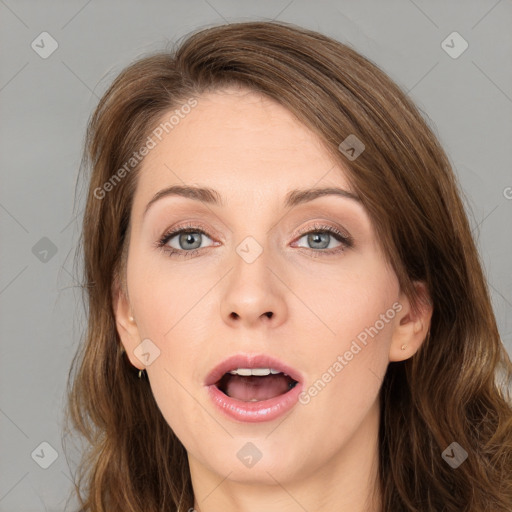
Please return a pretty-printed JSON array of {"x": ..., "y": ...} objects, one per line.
[{"x": 268, "y": 314}]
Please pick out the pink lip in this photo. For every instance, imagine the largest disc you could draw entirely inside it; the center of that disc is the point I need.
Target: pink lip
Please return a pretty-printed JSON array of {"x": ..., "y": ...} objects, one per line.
[{"x": 265, "y": 410}]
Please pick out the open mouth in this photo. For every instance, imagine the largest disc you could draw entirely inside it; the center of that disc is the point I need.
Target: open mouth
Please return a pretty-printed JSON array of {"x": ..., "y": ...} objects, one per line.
[
  {"x": 252, "y": 388},
  {"x": 255, "y": 384}
]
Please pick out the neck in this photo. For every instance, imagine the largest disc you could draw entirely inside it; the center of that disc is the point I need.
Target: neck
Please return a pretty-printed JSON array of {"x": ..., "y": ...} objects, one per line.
[{"x": 348, "y": 481}]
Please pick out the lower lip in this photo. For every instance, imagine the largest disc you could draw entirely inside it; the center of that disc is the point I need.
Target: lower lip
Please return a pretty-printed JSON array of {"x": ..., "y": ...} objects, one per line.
[{"x": 265, "y": 410}]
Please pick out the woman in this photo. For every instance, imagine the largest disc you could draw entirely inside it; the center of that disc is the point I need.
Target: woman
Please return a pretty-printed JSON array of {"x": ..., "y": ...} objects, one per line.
[{"x": 326, "y": 341}]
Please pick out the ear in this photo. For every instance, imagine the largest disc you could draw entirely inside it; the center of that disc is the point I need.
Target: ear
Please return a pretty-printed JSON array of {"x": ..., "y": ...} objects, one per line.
[
  {"x": 411, "y": 327},
  {"x": 126, "y": 324}
]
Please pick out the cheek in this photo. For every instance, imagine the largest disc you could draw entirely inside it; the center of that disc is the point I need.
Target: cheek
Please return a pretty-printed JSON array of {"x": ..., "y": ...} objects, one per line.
[
  {"x": 345, "y": 303},
  {"x": 168, "y": 307},
  {"x": 164, "y": 295},
  {"x": 172, "y": 311},
  {"x": 358, "y": 311},
  {"x": 343, "y": 386}
]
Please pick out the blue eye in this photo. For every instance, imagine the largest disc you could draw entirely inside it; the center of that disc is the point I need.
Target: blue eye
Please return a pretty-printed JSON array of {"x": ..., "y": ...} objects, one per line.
[
  {"x": 189, "y": 240},
  {"x": 320, "y": 237}
]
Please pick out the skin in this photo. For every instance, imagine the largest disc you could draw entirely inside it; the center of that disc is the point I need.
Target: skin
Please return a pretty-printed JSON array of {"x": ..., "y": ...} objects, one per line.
[{"x": 323, "y": 455}]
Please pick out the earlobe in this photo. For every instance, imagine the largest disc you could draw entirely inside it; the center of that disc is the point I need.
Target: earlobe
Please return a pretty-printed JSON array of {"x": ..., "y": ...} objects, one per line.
[{"x": 412, "y": 327}]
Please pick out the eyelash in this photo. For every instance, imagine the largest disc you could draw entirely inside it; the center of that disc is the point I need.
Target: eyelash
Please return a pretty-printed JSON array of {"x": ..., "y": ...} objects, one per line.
[{"x": 346, "y": 241}]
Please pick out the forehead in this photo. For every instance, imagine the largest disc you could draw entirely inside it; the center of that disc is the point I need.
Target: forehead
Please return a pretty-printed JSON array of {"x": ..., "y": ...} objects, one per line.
[{"x": 238, "y": 141}]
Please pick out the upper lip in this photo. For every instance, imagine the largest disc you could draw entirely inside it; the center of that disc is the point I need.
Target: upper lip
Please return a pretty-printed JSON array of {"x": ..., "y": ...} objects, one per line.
[{"x": 250, "y": 361}]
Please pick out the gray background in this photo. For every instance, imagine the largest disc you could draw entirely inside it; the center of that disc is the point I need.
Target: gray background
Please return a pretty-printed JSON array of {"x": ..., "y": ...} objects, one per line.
[{"x": 45, "y": 104}]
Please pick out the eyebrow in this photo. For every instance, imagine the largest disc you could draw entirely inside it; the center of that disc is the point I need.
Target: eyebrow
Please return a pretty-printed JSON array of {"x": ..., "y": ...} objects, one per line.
[{"x": 211, "y": 196}]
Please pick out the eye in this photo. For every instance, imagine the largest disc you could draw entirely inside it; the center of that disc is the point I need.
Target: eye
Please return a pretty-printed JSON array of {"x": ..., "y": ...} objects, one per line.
[
  {"x": 186, "y": 241},
  {"x": 183, "y": 242},
  {"x": 321, "y": 237}
]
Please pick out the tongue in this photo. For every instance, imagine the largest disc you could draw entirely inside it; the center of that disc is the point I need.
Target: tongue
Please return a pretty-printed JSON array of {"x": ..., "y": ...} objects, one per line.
[{"x": 255, "y": 387}]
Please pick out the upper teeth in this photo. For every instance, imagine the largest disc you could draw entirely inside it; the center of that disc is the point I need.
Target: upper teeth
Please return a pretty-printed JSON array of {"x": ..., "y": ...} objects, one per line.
[{"x": 247, "y": 372}]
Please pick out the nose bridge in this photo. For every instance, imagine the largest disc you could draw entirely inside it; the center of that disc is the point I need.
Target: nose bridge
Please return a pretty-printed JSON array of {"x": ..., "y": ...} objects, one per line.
[
  {"x": 252, "y": 293},
  {"x": 251, "y": 274}
]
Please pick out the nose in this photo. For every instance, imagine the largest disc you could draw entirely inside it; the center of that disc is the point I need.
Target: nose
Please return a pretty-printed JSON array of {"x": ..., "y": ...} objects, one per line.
[{"x": 253, "y": 294}]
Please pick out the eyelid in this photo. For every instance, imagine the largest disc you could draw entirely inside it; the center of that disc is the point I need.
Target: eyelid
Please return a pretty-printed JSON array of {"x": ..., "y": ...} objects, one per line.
[{"x": 318, "y": 227}]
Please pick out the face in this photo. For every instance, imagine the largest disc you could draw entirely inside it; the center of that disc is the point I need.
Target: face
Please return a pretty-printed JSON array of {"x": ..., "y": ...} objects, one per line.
[{"x": 305, "y": 283}]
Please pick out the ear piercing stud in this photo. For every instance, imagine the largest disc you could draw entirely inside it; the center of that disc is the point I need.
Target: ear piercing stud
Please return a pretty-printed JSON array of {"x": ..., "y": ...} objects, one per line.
[
  {"x": 403, "y": 347},
  {"x": 131, "y": 319}
]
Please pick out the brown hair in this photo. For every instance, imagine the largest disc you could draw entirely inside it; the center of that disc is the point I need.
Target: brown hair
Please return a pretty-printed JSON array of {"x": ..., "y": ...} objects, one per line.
[{"x": 448, "y": 391}]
